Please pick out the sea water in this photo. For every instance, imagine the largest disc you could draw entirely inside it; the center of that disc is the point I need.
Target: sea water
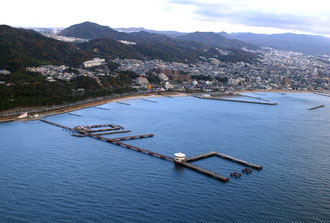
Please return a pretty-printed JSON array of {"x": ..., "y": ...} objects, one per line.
[{"x": 47, "y": 175}]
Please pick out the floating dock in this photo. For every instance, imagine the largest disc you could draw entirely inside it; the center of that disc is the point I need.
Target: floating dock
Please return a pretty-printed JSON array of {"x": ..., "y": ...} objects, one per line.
[{"x": 317, "y": 107}]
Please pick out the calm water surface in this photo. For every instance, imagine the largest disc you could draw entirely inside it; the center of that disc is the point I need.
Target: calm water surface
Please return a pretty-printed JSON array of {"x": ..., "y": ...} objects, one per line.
[{"x": 46, "y": 175}]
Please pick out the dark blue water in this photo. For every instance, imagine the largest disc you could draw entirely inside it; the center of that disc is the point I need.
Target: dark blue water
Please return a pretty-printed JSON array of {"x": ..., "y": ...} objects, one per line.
[{"x": 46, "y": 175}]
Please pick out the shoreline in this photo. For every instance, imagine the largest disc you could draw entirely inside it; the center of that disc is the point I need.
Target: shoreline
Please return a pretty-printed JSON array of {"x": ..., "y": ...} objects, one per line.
[
  {"x": 62, "y": 110},
  {"x": 93, "y": 104}
]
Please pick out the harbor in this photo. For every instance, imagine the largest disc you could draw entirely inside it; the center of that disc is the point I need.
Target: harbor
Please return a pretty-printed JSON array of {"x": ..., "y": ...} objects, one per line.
[{"x": 57, "y": 168}]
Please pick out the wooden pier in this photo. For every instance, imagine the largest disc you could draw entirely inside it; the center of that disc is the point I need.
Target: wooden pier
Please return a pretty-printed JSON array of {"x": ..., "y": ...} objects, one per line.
[
  {"x": 201, "y": 156},
  {"x": 112, "y": 141},
  {"x": 221, "y": 155},
  {"x": 205, "y": 172},
  {"x": 104, "y": 133},
  {"x": 104, "y": 125},
  {"x": 258, "y": 167},
  {"x": 133, "y": 137},
  {"x": 103, "y": 130},
  {"x": 82, "y": 131}
]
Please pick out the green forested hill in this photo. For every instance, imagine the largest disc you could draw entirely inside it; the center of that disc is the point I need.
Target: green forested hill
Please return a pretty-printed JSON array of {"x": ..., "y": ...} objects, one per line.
[{"x": 20, "y": 48}]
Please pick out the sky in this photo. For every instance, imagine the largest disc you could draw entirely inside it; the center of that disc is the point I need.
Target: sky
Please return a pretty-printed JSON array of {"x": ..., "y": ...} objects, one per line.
[{"x": 258, "y": 16}]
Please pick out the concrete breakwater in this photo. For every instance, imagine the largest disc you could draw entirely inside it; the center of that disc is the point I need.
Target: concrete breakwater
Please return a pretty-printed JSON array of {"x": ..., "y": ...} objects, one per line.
[
  {"x": 317, "y": 107},
  {"x": 232, "y": 100}
]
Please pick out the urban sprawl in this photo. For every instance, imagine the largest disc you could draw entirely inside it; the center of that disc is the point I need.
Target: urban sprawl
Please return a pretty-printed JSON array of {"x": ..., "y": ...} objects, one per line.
[{"x": 275, "y": 70}]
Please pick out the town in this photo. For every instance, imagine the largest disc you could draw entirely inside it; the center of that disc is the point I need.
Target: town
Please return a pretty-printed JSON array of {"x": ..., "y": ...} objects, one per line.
[{"x": 276, "y": 70}]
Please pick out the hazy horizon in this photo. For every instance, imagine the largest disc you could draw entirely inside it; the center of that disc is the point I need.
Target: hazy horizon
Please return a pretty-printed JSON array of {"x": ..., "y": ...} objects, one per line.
[{"x": 254, "y": 16}]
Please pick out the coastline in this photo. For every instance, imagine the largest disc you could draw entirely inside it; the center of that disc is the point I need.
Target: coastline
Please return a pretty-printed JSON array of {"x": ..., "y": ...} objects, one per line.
[
  {"x": 94, "y": 103},
  {"x": 62, "y": 110}
]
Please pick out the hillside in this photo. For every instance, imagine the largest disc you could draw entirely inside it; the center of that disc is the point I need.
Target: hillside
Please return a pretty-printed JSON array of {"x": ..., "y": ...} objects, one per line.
[
  {"x": 170, "y": 50},
  {"x": 153, "y": 45},
  {"x": 216, "y": 40},
  {"x": 308, "y": 44},
  {"x": 139, "y": 29},
  {"x": 89, "y": 30},
  {"x": 110, "y": 49},
  {"x": 20, "y": 48}
]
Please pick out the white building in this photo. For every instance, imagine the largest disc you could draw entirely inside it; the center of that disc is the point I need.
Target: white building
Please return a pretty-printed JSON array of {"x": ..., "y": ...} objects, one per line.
[
  {"x": 179, "y": 157},
  {"x": 168, "y": 86},
  {"x": 142, "y": 80},
  {"x": 127, "y": 42},
  {"x": 94, "y": 62},
  {"x": 4, "y": 72},
  {"x": 163, "y": 77}
]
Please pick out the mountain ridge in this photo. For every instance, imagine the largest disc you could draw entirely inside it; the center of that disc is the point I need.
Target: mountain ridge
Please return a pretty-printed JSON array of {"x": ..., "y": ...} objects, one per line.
[{"x": 303, "y": 43}]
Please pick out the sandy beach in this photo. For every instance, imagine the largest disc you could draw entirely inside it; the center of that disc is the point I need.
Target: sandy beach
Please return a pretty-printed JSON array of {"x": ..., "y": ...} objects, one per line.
[{"x": 94, "y": 103}]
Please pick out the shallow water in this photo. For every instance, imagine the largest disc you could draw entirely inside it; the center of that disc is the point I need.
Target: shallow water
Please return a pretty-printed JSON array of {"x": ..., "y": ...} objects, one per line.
[{"x": 49, "y": 176}]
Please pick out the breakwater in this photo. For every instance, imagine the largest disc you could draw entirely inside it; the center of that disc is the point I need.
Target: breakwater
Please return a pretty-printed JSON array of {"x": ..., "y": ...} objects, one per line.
[
  {"x": 232, "y": 100},
  {"x": 317, "y": 107}
]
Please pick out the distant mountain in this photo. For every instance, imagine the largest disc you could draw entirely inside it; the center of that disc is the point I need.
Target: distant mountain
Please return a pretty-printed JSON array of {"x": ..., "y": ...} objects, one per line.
[
  {"x": 139, "y": 29},
  {"x": 20, "y": 48},
  {"x": 151, "y": 45},
  {"x": 224, "y": 34},
  {"x": 308, "y": 44},
  {"x": 171, "y": 50},
  {"x": 216, "y": 40},
  {"x": 89, "y": 30}
]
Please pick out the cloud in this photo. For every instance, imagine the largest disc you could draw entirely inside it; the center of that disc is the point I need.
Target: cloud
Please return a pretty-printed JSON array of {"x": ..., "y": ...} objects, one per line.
[{"x": 313, "y": 17}]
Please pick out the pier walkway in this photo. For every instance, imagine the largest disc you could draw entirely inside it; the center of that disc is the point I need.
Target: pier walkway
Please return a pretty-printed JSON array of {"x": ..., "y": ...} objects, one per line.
[
  {"x": 204, "y": 171},
  {"x": 82, "y": 131},
  {"x": 113, "y": 141},
  {"x": 221, "y": 155}
]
